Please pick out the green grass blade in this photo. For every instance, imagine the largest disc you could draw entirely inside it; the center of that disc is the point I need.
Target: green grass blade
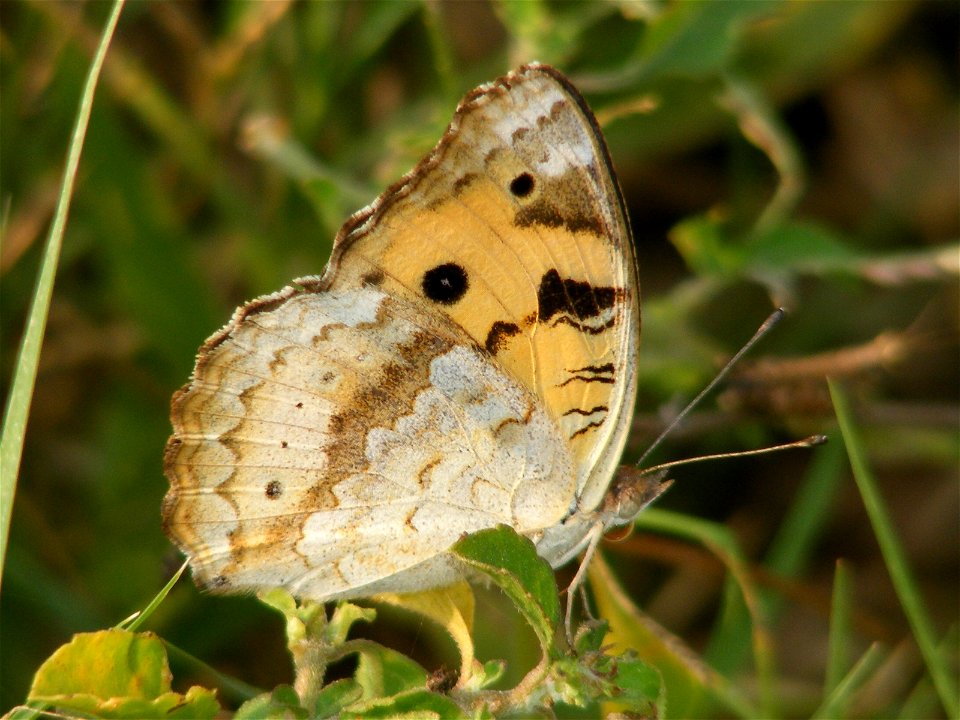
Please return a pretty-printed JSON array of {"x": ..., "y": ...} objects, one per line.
[
  {"x": 895, "y": 557},
  {"x": 836, "y": 703},
  {"x": 841, "y": 611},
  {"x": 133, "y": 624},
  {"x": 25, "y": 370}
]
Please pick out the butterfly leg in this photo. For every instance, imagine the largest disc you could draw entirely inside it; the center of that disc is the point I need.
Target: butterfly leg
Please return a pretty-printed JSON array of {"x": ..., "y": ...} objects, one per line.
[{"x": 632, "y": 491}]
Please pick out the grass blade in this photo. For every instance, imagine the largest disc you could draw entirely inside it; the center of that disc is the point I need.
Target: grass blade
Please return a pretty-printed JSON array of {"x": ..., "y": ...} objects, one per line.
[
  {"x": 25, "y": 370},
  {"x": 841, "y": 611},
  {"x": 895, "y": 557},
  {"x": 137, "y": 619},
  {"x": 836, "y": 703}
]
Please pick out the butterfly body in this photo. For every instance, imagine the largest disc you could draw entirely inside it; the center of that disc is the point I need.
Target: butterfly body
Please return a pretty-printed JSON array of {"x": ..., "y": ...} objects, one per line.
[{"x": 467, "y": 359}]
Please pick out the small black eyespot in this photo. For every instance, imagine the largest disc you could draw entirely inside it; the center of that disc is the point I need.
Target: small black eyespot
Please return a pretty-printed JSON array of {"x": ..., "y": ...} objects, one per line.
[
  {"x": 445, "y": 283},
  {"x": 522, "y": 185}
]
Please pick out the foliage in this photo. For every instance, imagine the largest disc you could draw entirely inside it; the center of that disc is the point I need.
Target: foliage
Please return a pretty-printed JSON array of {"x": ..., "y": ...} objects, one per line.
[{"x": 791, "y": 153}]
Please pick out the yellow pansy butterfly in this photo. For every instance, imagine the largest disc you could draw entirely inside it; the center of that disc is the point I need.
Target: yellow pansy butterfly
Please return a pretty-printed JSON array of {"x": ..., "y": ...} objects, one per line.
[{"x": 467, "y": 359}]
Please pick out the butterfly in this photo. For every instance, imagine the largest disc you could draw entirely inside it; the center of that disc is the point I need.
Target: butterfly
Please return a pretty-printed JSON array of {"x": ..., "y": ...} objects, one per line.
[{"x": 466, "y": 359}]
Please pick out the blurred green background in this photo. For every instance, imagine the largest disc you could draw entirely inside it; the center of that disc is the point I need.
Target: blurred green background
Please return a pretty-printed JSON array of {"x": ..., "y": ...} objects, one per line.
[{"x": 796, "y": 153}]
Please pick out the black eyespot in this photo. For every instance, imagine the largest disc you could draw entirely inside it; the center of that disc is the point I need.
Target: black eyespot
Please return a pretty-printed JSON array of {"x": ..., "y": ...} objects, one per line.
[
  {"x": 522, "y": 185},
  {"x": 445, "y": 283}
]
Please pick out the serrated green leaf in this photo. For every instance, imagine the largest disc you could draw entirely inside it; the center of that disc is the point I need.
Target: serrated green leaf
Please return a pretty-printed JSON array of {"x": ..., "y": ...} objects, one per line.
[
  {"x": 511, "y": 561},
  {"x": 335, "y": 697},
  {"x": 417, "y": 703},
  {"x": 343, "y": 618},
  {"x": 117, "y": 674},
  {"x": 109, "y": 663},
  {"x": 590, "y": 636},
  {"x": 304, "y": 621},
  {"x": 199, "y": 703},
  {"x": 642, "y": 686},
  {"x": 282, "y": 703}
]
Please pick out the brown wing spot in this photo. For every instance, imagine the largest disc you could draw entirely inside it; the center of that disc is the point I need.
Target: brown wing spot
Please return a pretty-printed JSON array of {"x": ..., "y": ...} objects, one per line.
[
  {"x": 588, "y": 379},
  {"x": 605, "y": 368},
  {"x": 574, "y": 298},
  {"x": 548, "y": 215},
  {"x": 591, "y": 411},
  {"x": 462, "y": 182},
  {"x": 273, "y": 490},
  {"x": 582, "y": 327},
  {"x": 586, "y": 428},
  {"x": 373, "y": 278},
  {"x": 592, "y": 373},
  {"x": 505, "y": 423},
  {"x": 497, "y": 337},
  {"x": 320, "y": 495},
  {"x": 424, "y": 473},
  {"x": 409, "y": 520}
]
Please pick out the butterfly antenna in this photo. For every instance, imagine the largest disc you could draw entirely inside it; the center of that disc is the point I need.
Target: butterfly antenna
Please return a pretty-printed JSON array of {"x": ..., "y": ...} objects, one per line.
[
  {"x": 807, "y": 442},
  {"x": 775, "y": 317}
]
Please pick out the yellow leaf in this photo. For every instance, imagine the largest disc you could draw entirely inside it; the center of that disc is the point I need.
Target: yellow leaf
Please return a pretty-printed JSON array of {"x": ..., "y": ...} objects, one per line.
[{"x": 450, "y": 607}]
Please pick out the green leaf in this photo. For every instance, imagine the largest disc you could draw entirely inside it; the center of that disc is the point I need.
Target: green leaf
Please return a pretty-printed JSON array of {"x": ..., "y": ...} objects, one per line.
[
  {"x": 590, "y": 636},
  {"x": 511, "y": 561},
  {"x": 117, "y": 674},
  {"x": 343, "y": 618},
  {"x": 418, "y": 703},
  {"x": 640, "y": 683},
  {"x": 795, "y": 244},
  {"x": 335, "y": 697},
  {"x": 696, "y": 38},
  {"x": 706, "y": 248},
  {"x": 383, "y": 672},
  {"x": 283, "y": 703}
]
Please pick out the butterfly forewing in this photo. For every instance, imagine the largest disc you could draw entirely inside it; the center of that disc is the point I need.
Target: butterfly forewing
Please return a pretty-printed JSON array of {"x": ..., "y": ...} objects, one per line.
[{"x": 519, "y": 206}]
